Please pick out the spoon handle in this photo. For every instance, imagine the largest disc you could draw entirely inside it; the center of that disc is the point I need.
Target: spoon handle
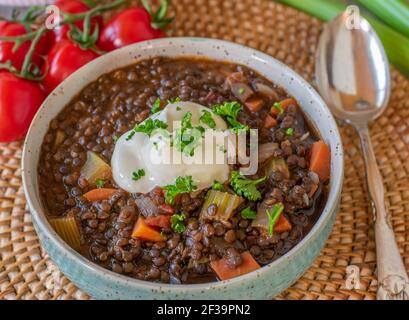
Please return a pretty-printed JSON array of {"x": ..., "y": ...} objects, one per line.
[{"x": 393, "y": 282}]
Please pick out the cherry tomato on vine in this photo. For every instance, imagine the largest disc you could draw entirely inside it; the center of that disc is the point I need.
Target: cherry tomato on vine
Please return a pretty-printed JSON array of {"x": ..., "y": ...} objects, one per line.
[
  {"x": 74, "y": 6},
  {"x": 19, "y": 101},
  {"x": 64, "y": 58},
  {"x": 134, "y": 25},
  {"x": 13, "y": 29}
]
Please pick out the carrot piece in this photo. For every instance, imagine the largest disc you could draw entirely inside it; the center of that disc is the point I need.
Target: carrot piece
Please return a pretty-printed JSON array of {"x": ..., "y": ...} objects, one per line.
[
  {"x": 282, "y": 224},
  {"x": 159, "y": 221},
  {"x": 254, "y": 104},
  {"x": 284, "y": 105},
  {"x": 145, "y": 232},
  {"x": 99, "y": 194},
  {"x": 320, "y": 161},
  {"x": 269, "y": 122},
  {"x": 224, "y": 272}
]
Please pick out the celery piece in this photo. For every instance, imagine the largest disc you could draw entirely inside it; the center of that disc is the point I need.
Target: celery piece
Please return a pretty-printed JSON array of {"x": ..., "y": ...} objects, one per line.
[
  {"x": 225, "y": 204},
  {"x": 67, "y": 229}
]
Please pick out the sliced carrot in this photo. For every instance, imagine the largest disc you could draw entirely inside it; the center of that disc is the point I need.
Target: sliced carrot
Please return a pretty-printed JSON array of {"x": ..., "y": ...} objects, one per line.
[
  {"x": 224, "y": 272},
  {"x": 269, "y": 122},
  {"x": 320, "y": 161},
  {"x": 254, "y": 104},
  {"x": 159, "y": 221},
  {"x": 282, "y": 224},
  {"x": 284, "y": 105},
  {"x": 99, "y": 194},
  {"x": 145, "y": 232}
]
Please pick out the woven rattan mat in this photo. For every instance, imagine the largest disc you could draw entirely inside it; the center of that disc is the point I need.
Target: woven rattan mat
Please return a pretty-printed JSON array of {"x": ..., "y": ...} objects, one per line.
[{"x": 26, "y": 272}]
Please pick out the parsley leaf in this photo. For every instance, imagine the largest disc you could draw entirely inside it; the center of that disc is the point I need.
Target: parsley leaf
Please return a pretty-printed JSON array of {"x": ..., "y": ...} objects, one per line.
[
  {"x": 177, "y": 223},
  {"x": 248, "y": 213},
  {"x": 245, "y": 187},
  {"x": 207, "y": 118},
  {"x": 278, "y": 106},
  {"x": 136, "y": 175},
  {"x": 217, "y": 185},
  {"x": 115, "y": 138},
  {"x": 290, "y": 132},
  {"x": 182, "y": 185},
  {"x": 230, "y": 111},
  {"x": 273, "y": 216},
  {"x": 100, "y": 183},
  {"x": 147, "y": 127},
  {"x": 156, "y": 106},
  {"x": 177, "y": 99},
  {"x": 187, "y": 138}
]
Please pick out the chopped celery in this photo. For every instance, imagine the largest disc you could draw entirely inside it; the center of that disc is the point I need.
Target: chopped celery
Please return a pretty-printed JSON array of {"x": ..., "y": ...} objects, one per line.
[
  {"x": 67, "y": 229},
  {"x": 225, "y": 204},
  {"x": 95, "y": 169},
  {"x": 278, "y": 164}
]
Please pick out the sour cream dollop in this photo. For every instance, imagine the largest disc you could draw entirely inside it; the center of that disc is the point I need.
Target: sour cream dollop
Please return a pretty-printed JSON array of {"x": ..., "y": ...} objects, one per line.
[{"x": 162, "y": 162}]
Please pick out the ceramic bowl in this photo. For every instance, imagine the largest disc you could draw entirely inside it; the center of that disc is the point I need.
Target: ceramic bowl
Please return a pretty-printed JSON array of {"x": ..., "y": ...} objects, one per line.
[{"x": 264, "y": 283}]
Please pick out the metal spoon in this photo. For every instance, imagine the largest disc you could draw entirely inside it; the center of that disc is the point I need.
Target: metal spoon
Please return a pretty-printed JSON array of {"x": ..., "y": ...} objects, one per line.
[{"x": 352, "y": 73}]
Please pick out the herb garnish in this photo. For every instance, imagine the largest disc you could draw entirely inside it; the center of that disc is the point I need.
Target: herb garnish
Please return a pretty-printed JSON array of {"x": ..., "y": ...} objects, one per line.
[
  {"x": 147, "y": 127},
  {"x": 136, "y": 175},
  {"x": 241, "y": 90},
  {"x": 187, "y": 138},
  {"x": 278, "y": 106},
  {"x": 156, "y": 106},
  {"x": 207, "y": 119},
  {"x": 182, "y": 185},
  {"x": 273, "y": 216},
  {"x": 248, "y": 213},
  {"x": 177, "y": 223},
  {"x": 230, "y": 111},
  {"x": 177, "y": 99},
  {"x": 245, "y": 187},
  {"x": 290, "y": 132},
  {"x": 115, "y": 137},
  {"x": 217, "y": 186},
  {"x": 100, "y": 183}
]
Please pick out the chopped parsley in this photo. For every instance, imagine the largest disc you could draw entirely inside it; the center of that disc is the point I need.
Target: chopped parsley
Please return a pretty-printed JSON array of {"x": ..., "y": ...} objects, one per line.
[
  {"x": 290, "y": 132},
  {"x": 177, "y": 223},
  {"x": 230, "y": 111},
  {"x": 115, "y": 137},
  {"x": 245, "y": 187},
  {"x": 182, "y": 185},
  {"x": 100, "y": 183},
  {"x": 147, "y": 127},
  {"x": 207, "y": 119},
  {"x": 187, "y": 138},
  {"x": 177, "y": 99},
  {"x": 277, "y": 105},
  {"x": 273, "y": 216},
  {"x": 156, "y": 106},
  {"x": 241, "y": 90},
  {"x": 217, "y": 186},
  {"x": 248, "y": 213},
  {"x": 178, "y": 108},
  {"x": 136, "y": 175}
]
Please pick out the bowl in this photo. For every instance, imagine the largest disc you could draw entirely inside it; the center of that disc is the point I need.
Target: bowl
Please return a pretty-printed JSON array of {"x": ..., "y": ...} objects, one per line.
[{"x": 263, "y": 283}]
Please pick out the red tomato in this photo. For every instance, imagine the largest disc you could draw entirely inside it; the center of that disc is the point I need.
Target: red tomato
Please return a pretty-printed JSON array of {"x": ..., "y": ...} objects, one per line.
[
  {"x": 74, "y": 6},
  {"x": 129, "y": 26},
  {"x": 19, "y": 101},
  {"x": 13, "y": 29},
  {"x": 64, "y": 58},
  {"x": 158, "y": 221}
]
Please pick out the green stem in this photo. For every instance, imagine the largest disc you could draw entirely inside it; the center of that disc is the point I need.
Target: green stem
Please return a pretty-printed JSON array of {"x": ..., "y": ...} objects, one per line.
[{"x": 25, "y": 70}]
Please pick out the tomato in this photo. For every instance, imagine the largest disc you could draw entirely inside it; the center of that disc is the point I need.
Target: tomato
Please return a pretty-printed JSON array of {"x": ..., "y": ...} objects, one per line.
[
  {"x": 129, "y": 26},
  {"x": 19, "y": 101},
  {"x": 13, "y": 29},
  {"x": 74, "y": 6},
  {"x": 64, "y": 58}
]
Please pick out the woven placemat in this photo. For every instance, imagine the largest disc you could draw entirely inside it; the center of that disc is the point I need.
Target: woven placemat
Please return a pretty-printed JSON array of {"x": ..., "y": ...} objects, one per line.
[{"x": 26, "y": 272}]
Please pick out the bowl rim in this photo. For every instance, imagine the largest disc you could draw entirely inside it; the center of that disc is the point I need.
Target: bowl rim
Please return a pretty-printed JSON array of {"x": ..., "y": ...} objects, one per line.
[{"x": 41, "y": 222}]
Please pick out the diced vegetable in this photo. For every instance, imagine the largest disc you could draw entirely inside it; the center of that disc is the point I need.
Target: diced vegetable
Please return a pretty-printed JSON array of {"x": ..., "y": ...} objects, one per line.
[
  {"x": 254, "y": 104},
  {"x": 95, "y": 168},
  {"x": 278, "y": 164},
  {"x": 320, "y": 161},
  {"x": 145, "y": 232},
  {"x": 67, "y": 228},
  {"x": 265, "y": 90},
  {"x": 159, "y": 221},
  {"x": 59, "y": 138},
  {"x": 282, "y": 105},
  {"x": 99, "y": 194},
  {"x": 269, "y": 122},
  {"x": 314, "y": 188},
  {"x": 273, "y": 215},
  {"x": 266, "y": 151},
  {"x": 224, "y": 272},
  {"x": 166, "y": 208},
  {"x": 282, "y": 224},
  {"x": 239, "y": 87},
  {"x": 263, "y": 221},
  {"x": 225, "y": 204}
]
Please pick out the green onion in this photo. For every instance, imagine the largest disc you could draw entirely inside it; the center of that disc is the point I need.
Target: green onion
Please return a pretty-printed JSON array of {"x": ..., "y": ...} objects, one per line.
[{"x": 396, "y": 45}]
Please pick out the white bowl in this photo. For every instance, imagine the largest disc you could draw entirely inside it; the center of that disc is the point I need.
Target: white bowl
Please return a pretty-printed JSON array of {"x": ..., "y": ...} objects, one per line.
[{"x": 265, "y": 282}]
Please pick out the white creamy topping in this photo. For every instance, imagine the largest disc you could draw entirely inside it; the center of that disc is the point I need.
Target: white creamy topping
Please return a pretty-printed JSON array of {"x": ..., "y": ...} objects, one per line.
[{"x": 162, "y": 163}]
